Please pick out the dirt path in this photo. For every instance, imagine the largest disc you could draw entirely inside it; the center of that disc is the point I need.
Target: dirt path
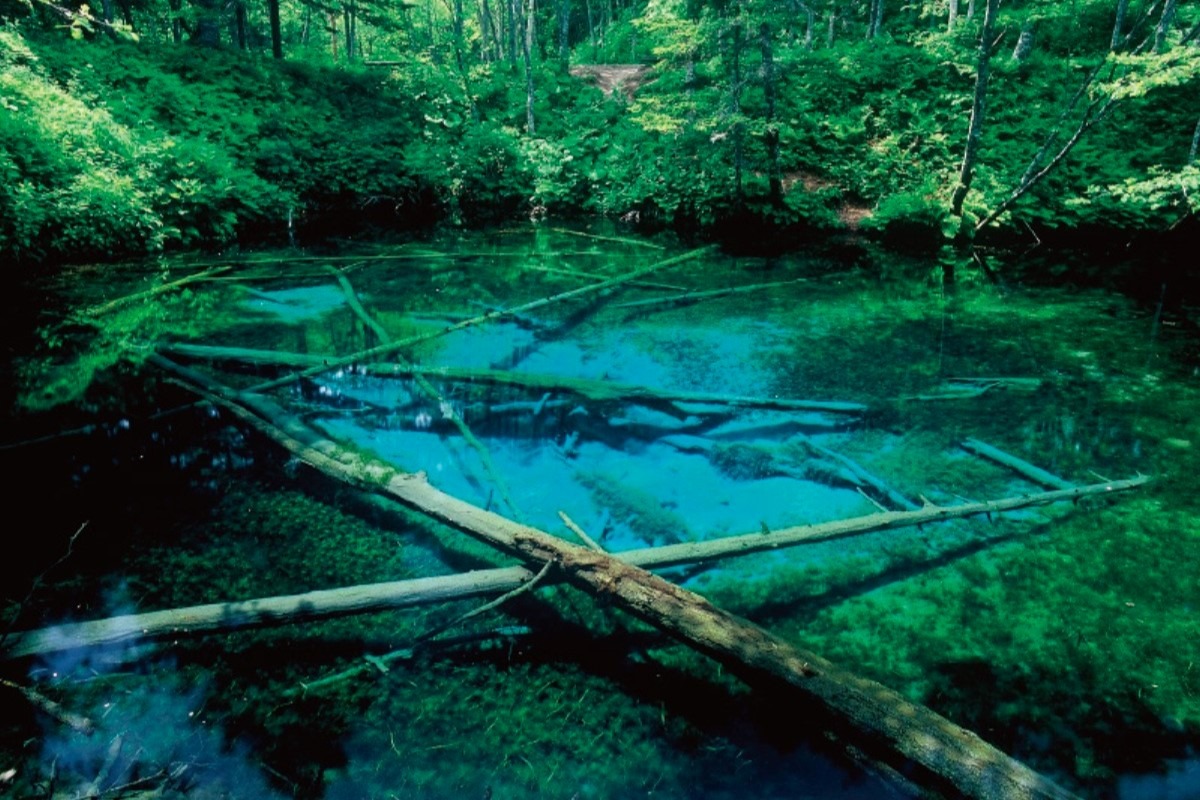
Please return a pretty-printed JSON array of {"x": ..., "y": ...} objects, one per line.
[{"x": 623, "y": 78}]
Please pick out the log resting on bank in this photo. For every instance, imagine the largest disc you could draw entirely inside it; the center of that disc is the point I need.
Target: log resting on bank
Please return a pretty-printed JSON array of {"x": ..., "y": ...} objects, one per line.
[{"x": 928, "y": 747}]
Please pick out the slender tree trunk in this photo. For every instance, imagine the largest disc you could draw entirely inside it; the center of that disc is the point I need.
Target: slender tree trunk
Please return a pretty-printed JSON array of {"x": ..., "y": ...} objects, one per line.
[
  {"x": 591, "y": 28},
  {"x": 1164, "y": 27},
  {"x": 239, "y": 26},
  {"x": 487, "y": 26},
  {"x": 832, "y": 24},
  {"x": 970, "y": 9},
  {"x": 564, "y": 35},
  {"x": 810, "y": 22},
  {"x": 277, "y": 29},
  {"x": 1118, "y": 33},
  {"x": 332, "y": 29},
  {"x": 975, "y": 128},
  {"x": 1025, "y": 41},
  {"x": 953, "y": 20},
  {"x": 874, "y": 18},
  {"x": 350, "y": 21},
  {"x": 527, "y": 56},
  {"x": 735, "y": 107},
  {"x": 512, "y": 11},
  {"x": 176, "y": 7},
  {"x": 771, "y": 136},
  {"x": 1195, "y": 144}
]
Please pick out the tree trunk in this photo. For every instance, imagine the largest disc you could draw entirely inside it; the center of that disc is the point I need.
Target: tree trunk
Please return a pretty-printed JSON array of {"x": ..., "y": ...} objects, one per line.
[
  {"x": 874, "y": 18},
  {"x": 350, "y": 23},
  {"x": 735, "y": 108},
  {"x": 772, "y": 133},
  {"x": 239, "y": 26},
  {"x": 1195, "y": 144},
  {"x": 207, "y": 32},
  {"x": 953, "y": 19},
  {"x": 970, "y": 9},
  {"x": 176, "y": 8},
  {"x": 1164, "y": 26},
  {"x": 1025, "y": 41},
  {"x": 564, "y": 35},
  {"x": 928, "y": 748},
  {"x": 527, "y": 57},
  {"x": 1118, "y": 34},
  {"x": 975, "y": 127},
  {"x": 831, "y": 24},
  {"x": 276, "y": 29}
]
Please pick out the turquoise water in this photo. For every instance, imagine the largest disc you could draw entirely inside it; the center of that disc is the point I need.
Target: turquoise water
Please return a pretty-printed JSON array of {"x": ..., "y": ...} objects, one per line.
[{"x": 1064, "y": 635}]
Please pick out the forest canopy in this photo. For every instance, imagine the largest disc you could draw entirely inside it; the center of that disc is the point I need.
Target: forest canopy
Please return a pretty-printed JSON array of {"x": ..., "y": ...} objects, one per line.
[{"x": 145, "y": 125}]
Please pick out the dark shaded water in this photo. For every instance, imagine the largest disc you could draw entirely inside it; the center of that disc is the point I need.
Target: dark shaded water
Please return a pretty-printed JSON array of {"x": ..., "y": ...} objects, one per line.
[{"x": 1067, "y": 636}]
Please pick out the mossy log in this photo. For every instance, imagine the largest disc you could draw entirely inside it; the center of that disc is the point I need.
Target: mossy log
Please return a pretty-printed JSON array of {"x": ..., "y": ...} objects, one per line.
[
  {"x": 112, "y": 305},
  {"x": 928, "y": 747},
  {"x": 590, "y": 389}
]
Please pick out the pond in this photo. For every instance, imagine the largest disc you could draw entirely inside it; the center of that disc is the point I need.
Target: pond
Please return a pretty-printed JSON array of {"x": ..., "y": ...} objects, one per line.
[{"x": 640, "y": 396}]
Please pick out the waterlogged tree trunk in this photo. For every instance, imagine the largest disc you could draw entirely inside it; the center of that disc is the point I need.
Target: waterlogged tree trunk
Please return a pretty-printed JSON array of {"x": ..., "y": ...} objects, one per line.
[
  {"x": 527, "y": 55},
  {"x": 276, "y": 28},
  {"x": 1164, "y": 27},
  {"x": 975, "y": 128},
  {"x": 772, "y": 134},
  {"x": 1118, "y": 33}
]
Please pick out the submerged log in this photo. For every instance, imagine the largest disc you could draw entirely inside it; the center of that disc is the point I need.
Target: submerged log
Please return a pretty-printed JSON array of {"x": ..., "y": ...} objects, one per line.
[
  {"x": 1019, "y": 465},
  {"x": 930, "y": 748},
  {"x": 372, "y": 598},
  {"x": 112, "y": 305},
  {"x": 588, "y": 388},
  {"x": 709, "y": 294},
  {"x": 392, "y": 347}
]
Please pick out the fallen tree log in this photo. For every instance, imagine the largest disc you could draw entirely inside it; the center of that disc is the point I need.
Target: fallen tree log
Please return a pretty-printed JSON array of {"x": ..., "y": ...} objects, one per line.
[
  {"x": 371, "y": 598},
  {"x": 392, "y": 347},
  {"x": 687, "y": 298},
  {"x": 929, "y": 748},
  {"x": 129, "y": 629},
  {"x": 111, "y": 305},
  {"x": 597, "y": 390},
  {"x": 1019, "y": 465}
]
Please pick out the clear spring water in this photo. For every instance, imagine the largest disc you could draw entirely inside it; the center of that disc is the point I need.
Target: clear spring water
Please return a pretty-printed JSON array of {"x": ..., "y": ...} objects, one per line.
[{"x": 1066, "y": 636}]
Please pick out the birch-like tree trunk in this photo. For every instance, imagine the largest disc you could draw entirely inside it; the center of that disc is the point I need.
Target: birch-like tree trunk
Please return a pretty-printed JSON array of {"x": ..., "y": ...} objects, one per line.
[
  {"x": 1025, "y": 41},
  {"x": 564, "y": 34},
  {"x": 1164, "y": 26},
  {"x": 952, "y": 21},
  {"x": 1118, "y": 33},
  {"x": 527, "y": 57},
  {"x": 978, "y": 106},
  {"x": 771, "y": 136}
]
